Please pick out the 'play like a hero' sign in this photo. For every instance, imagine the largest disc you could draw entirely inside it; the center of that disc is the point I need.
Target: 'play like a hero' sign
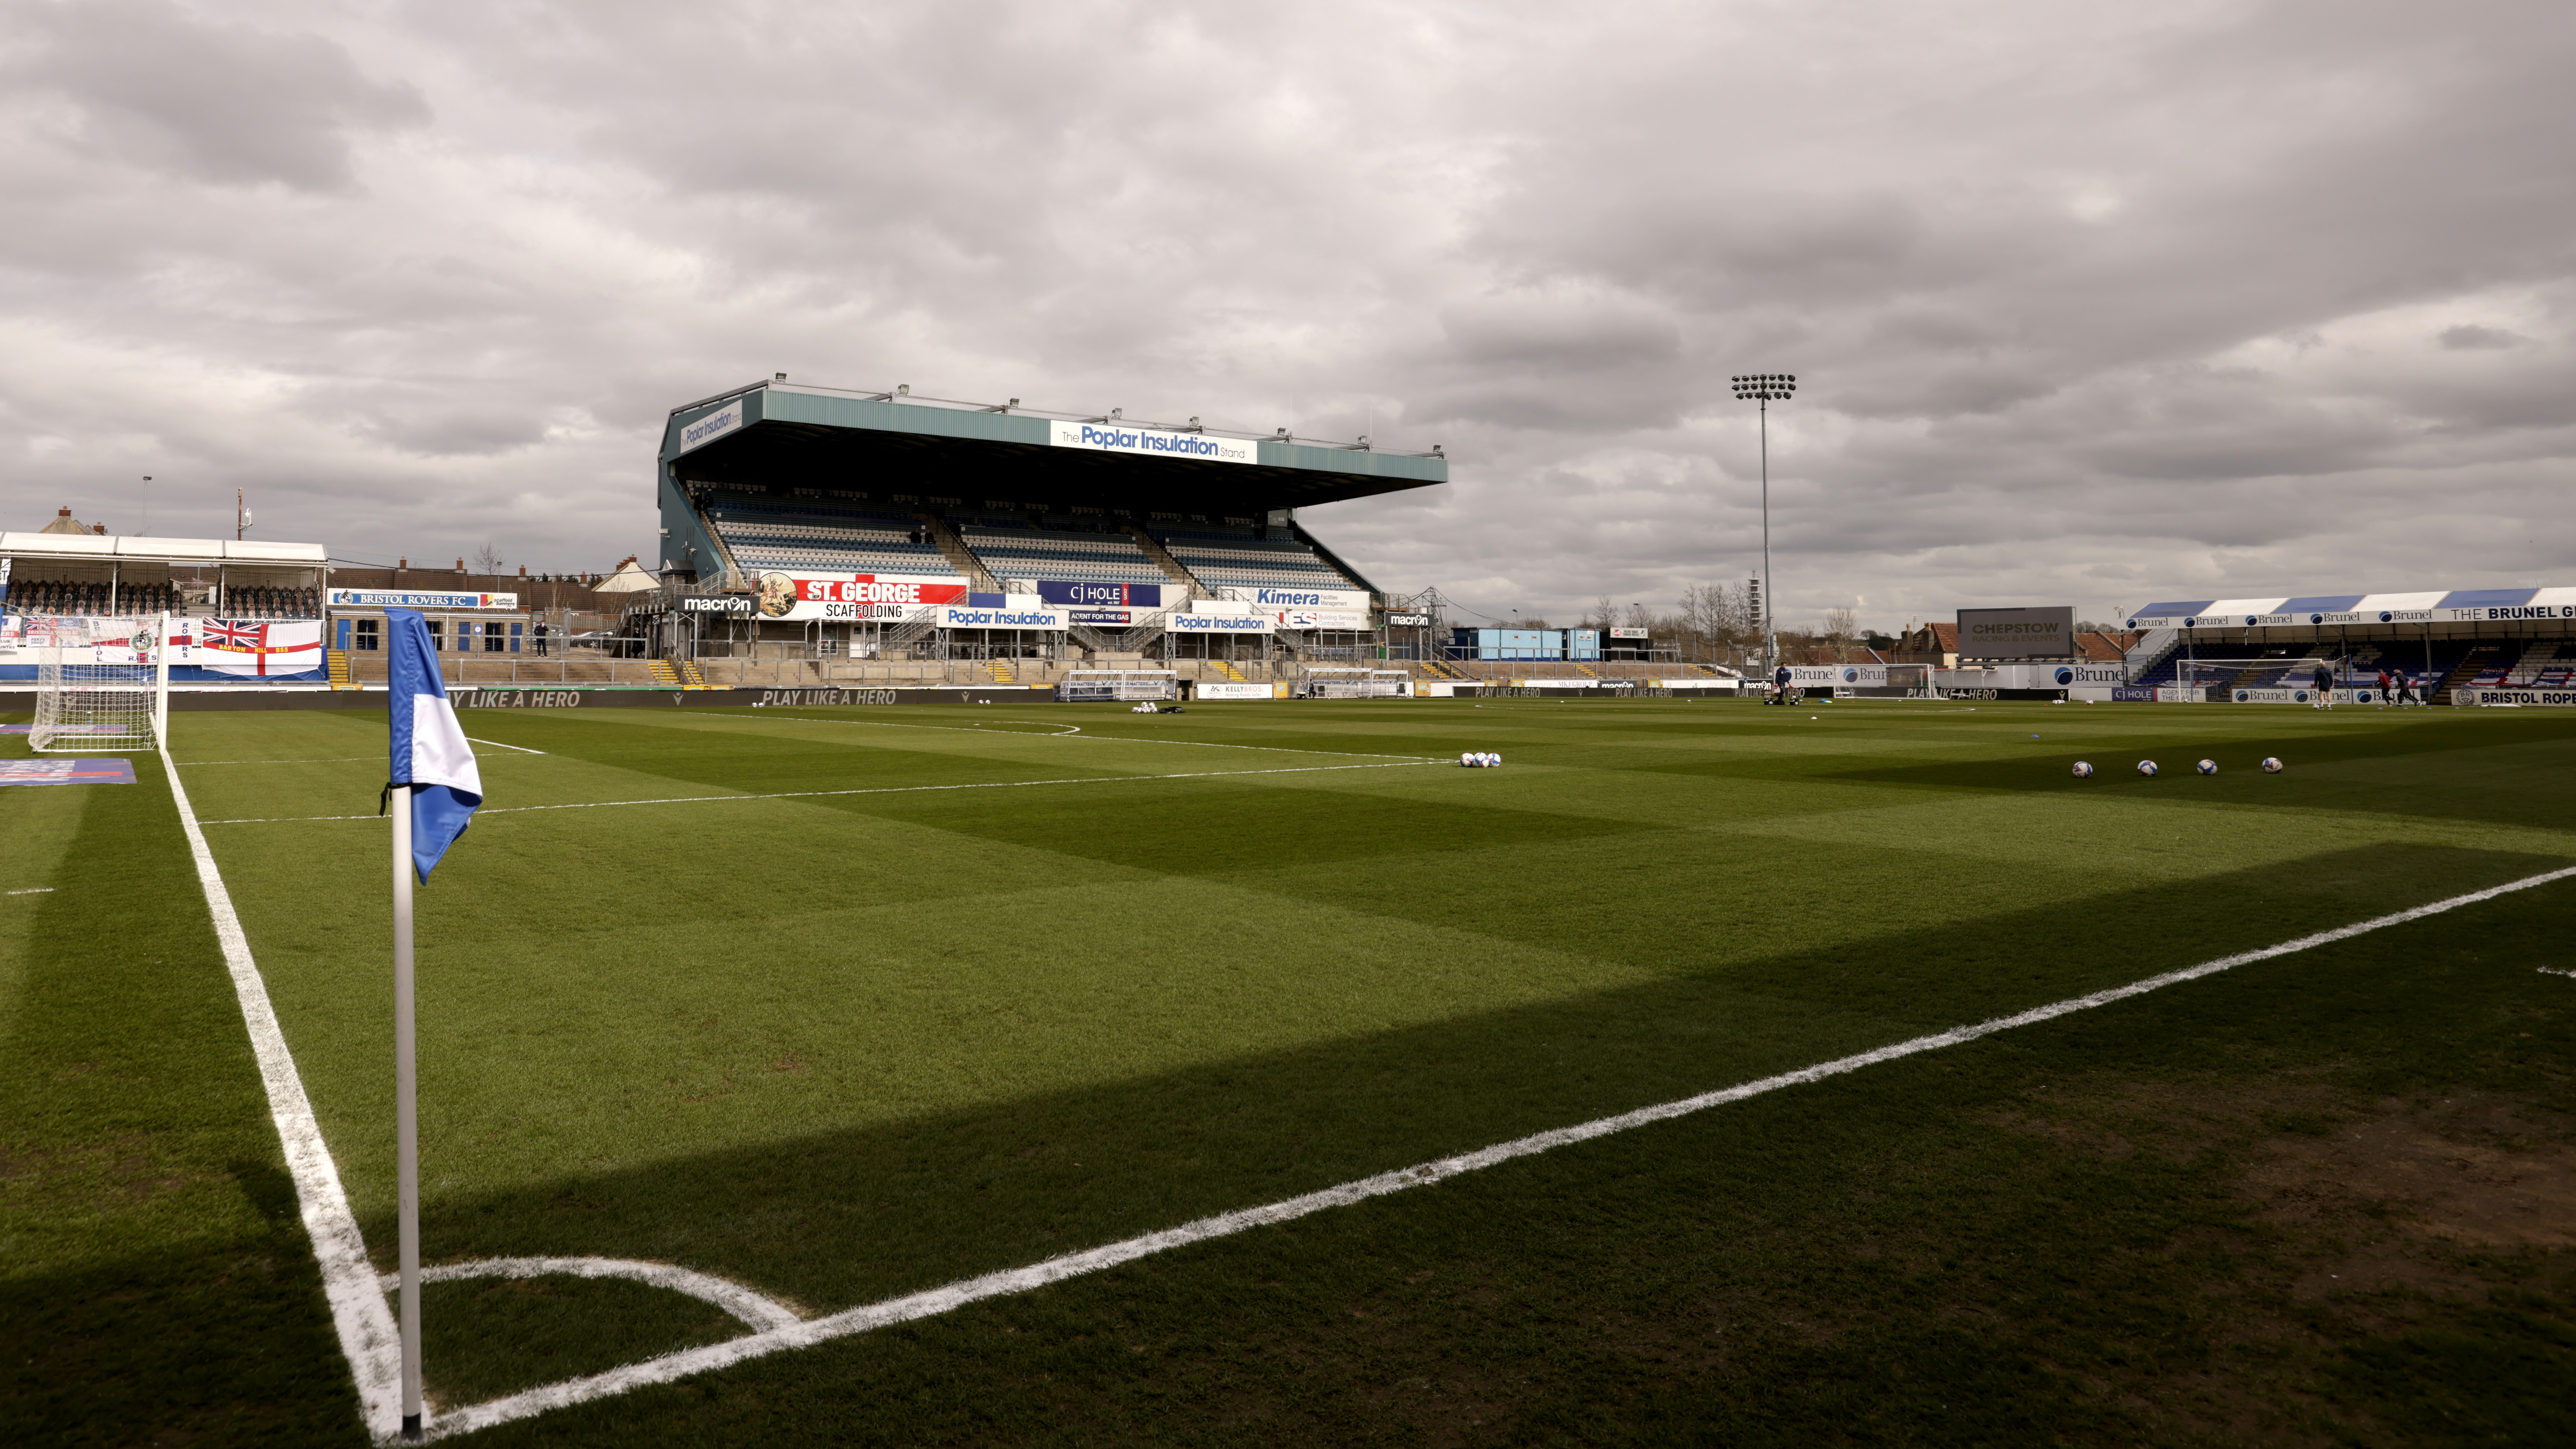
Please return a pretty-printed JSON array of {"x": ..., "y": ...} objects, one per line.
[{"x": 1119, "y": 438}]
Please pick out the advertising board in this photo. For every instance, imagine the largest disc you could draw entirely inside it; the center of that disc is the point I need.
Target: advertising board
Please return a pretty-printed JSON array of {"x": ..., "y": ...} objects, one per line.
[
  {"x": 415, "y": 599},
  {"x": 1356, "y": 600},
  {"x": 1408, "y": 621},
  {"x": 1223, "y": 689},
  {"x": 2551, "y": 697},
  {"x": 1115, "y": 437},
  {"x": 954, "y": 616},
  {"x": 851, "y": 596},
  {"x": 722, "y": 422},
  {"x": 717, "y": 604},
  {"x": 1638, "y": 635},
  {"x": 2035, "y": 633},
  {"x": 1101, "y": 596},
  {"x": 1219, "y": 624},
  {"x": 1319, "y": 619}
]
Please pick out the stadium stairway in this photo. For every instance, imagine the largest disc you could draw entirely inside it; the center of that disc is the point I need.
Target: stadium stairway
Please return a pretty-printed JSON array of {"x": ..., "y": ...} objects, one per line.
[
  {"x": 2479, "y": 658},
  {"x": 339, "y": 659},
  {"x": 943, "y": 536},
  {"x": 1000, "y": 669},
  {"x": 1225, "y": 670},
  {"x": 691, "y": 676},
  {"x": 663, "y": 673},
  {"x": 1163, "y": 560}
]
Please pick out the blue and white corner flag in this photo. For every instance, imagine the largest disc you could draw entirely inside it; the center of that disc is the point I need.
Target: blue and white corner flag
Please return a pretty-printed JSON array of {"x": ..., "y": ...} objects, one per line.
[{"x": 429, "y": 749}]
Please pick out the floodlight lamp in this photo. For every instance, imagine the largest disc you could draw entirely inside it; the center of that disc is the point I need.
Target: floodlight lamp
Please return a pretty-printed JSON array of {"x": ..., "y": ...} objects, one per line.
[
  {"x": 1194, "y": 420},
  {"x": 903, "y": 389},
  {"x": 1364, "y": 442},
  {"x": 1116, "y": 413},
  {"x": 782, "y": 377},
  {"x": 1015, "y": 402}
]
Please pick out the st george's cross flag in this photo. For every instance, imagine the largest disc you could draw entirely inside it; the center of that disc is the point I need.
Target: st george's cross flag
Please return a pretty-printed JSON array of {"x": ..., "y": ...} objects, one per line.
[{"x": 429, "y": 749}]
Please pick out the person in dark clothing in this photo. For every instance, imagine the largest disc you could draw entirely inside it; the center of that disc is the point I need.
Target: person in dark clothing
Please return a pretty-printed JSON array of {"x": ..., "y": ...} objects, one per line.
[
  {"x": 539, "y": 634},
  {"x": 1780, "y": 685},
  {"x": 2324, "y": 688}
]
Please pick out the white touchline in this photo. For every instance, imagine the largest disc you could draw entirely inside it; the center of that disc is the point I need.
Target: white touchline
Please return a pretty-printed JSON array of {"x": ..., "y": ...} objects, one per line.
[
  {"x": 49, "y": 890},
  {"x": 496, "y": 744},
  {"x": 876, "y": 790},
  {"x": 1074, "y": 1265},
  {"x": 358, "y": 1311},
  {"x": 2556, "y": 971}
]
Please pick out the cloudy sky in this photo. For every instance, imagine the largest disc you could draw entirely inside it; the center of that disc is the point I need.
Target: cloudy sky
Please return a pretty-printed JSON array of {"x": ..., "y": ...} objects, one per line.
[{"x": 2090, "y": 303}]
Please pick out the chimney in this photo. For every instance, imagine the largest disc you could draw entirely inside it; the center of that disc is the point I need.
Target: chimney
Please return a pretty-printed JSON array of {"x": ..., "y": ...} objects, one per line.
[
  {"x": 98, "y": 528},
  {"x": 400, "y": 564},
  {"x": 460, "y": 566},
  {"x": 523, "y": 571},
  {"x": 66, "y": 513}
]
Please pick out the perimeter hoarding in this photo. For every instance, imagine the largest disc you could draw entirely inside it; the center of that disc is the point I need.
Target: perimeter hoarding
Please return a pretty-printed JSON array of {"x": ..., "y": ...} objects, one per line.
[
  {"x": 852, "y": 596},
  {"x": 2041, "y": 633}
]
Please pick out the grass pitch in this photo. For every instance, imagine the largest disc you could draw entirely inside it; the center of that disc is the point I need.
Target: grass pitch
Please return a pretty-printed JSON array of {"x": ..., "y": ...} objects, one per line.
[{"x": 845, "y": 1004}]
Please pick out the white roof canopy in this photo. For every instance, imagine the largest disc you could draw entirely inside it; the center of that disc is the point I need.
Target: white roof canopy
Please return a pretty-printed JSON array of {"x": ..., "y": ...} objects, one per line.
[{"x": 110, "y": 548}]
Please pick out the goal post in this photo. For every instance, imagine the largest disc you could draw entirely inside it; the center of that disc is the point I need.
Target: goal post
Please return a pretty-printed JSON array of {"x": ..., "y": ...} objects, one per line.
[
  {"x": 1346, "y": 683},
  {"x": 1119, "y": 684},
  {"x": 102, "y": 683}
]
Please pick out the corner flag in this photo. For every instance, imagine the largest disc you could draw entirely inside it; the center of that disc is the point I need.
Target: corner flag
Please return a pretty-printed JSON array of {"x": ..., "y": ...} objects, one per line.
[{"x": 429, "y": 749}]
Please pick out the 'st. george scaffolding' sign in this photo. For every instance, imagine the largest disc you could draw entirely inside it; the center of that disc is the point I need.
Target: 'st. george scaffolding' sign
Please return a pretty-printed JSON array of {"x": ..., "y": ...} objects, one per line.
[{"x": 2016, "y": 633}]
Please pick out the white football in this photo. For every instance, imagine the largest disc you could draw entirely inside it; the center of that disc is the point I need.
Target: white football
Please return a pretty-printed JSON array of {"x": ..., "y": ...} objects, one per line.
[
  {"x": 2083, "y": 769},
  {"x": 2207, "y": 767},
  {"x": 2146, "y": 767},
  {"x": 2271, "y": 764},
  {"x": 1467, "y": 759},
  {"x": 1494, "y": 760}
]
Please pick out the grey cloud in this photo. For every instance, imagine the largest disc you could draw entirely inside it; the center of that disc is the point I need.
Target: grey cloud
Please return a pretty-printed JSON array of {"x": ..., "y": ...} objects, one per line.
[
  {"x": 157, "y": 86},
  {"x": 2088, "y": 302},
  {"x": 2470, "y": 337}
]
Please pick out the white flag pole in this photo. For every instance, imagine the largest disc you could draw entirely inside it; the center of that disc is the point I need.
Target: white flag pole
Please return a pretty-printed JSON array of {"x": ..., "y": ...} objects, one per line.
[
  {"x": 161, "y": 679},
  {"x": 406, "y": 1116}
]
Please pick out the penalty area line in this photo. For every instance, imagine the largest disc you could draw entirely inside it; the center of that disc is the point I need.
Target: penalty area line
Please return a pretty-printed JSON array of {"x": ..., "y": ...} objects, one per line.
[
  {"x": 957, "y": 1295},
  {"x": 359, "y": 1313},
  {"x": 873, "y": 790}
]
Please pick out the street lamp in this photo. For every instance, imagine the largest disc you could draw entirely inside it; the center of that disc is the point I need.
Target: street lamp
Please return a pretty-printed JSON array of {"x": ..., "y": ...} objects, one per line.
[{"x": 1762, "y": 388}]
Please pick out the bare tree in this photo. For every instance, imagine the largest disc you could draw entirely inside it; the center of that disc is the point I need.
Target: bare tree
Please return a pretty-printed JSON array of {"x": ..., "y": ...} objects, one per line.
[{"x": 487, "y": 559}]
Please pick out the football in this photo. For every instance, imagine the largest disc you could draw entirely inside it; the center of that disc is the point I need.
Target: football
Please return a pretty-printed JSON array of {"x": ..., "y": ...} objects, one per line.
[
  {"x": 2146, "y": 767},
  {"x": 2271, "y": 764},
  {"x": 2207, "y": 767},
  {"x": 2083, "y": 769}
]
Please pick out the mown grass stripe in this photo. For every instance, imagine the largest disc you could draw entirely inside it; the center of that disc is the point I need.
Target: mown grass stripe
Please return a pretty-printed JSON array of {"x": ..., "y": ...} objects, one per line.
[{"x": 936, "y": 1301}]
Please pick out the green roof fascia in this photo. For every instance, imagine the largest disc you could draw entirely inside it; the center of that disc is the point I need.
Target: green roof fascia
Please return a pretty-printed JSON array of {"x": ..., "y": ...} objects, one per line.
[{"x": 788, "y": 405}]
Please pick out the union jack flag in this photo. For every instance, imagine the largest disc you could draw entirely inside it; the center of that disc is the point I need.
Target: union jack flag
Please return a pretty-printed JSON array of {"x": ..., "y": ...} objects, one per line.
[{"x": 233, "y": 634}]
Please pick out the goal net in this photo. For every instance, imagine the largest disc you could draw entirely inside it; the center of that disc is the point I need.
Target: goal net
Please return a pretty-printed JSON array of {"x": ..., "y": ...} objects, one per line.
[
  {"x": 1084, "y": 684},
  {"x": 101, "y": 683},
  {"x": 1355, "y": 683}
]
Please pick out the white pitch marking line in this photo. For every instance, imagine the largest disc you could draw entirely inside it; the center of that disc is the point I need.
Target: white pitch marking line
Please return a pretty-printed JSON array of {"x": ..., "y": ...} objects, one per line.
[
  {"x": 878, "y": 790},
  {"x": 1073, "y": 732},
  {"x": 2545, "y": 970},
  {"x": 366, "y": 1326},
  {"x": 750, "y": 1308},
  {"x": 496, "y": 744},
  {"x": 49, "y": 890},
  {"x": 1074, "y": 1265}
]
